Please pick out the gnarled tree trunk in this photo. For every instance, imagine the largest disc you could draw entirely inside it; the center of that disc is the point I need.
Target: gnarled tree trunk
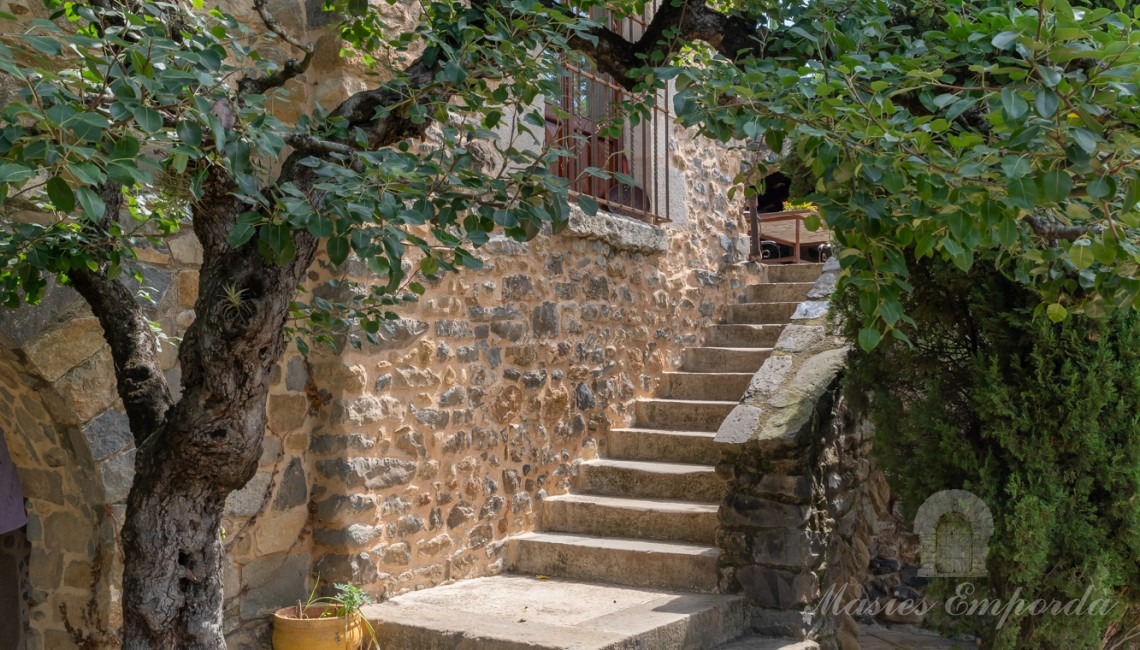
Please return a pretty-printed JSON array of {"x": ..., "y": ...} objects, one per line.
[{"x": 210, "y": 441}]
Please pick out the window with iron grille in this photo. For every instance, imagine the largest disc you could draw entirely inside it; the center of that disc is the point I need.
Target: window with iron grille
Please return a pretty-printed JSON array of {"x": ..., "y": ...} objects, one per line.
[{"x": 634, "y": 157}]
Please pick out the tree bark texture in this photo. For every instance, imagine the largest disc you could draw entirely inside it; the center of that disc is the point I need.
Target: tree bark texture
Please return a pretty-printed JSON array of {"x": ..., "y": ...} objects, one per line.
[{"x": 210, "y": 443}]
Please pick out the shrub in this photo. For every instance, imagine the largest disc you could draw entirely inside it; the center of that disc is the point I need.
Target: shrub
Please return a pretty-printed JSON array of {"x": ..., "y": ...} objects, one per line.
[{"x": 1040, "y": 420}]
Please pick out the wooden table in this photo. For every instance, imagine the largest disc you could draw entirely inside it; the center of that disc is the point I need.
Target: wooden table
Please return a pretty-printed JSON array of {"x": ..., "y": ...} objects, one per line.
[{"x": 787, "y": 228}]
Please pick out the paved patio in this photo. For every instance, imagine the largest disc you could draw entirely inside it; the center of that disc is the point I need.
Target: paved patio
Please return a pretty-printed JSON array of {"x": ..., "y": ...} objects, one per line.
[{"x": 873, "y": 637}]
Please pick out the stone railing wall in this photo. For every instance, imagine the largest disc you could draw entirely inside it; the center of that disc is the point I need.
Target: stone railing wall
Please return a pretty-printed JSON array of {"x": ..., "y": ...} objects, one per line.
[
  {"x": 774, "y": 528},
  {"x": 809, "y": 528}
]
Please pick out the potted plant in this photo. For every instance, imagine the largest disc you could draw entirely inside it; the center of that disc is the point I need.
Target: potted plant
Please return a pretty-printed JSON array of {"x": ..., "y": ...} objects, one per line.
[{"x": 327, "y": 623}]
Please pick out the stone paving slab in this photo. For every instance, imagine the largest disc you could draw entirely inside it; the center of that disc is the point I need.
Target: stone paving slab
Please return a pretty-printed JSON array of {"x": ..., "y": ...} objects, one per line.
[
  {"x": 753, "y": 642},
  {"x": 910, "y": 638},
  {"x": 513, "y": 612}
]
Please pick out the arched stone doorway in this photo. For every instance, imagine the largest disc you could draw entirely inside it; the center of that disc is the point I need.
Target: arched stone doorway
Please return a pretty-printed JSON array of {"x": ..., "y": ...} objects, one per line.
[{"x": 74, "y": 464}]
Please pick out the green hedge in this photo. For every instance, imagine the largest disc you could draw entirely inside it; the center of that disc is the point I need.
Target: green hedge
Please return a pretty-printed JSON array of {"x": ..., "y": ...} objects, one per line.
[{"x": 1040, "y": 420}]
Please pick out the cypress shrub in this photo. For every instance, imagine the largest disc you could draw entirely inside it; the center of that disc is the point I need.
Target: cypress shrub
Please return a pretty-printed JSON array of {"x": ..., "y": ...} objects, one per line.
[{"x": 1039, "y": 420}]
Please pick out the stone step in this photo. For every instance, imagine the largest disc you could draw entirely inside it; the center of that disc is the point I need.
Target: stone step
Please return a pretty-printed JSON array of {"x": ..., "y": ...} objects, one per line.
[
  {"x": 513, "y": 612},
  {"x": 756, "y": 642},
  {"x": 650, "y": 480},
  {"x": 744, "y": 336},
  {"x": 794, "y": 272},
  {"x": 779, "y": 291},
  {"x": 682, "y": 414},
  {"x": 704, "y": 385},
  {"x": 724, "y": 359},
  {"x": 663, "y": 445},
  {"x": 632, "y": 562},
  {"x": 760, "y": 313},
  {"x": 586, "y": 514}
]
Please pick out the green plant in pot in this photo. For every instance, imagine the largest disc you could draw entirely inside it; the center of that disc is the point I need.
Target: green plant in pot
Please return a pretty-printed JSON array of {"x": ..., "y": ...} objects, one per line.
[{"x": 325, "y": 623}]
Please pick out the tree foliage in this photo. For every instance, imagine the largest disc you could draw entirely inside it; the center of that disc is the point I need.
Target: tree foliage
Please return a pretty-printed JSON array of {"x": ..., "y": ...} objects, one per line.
[
  {"x": 142, "y": 102},
  {"x": 966, "y": 130}
]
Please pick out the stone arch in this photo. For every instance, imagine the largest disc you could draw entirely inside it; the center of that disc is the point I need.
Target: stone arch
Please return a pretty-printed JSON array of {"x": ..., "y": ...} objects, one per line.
[
  {"x": 954, "y": 529},
  {"x": 74, "y": 458}
]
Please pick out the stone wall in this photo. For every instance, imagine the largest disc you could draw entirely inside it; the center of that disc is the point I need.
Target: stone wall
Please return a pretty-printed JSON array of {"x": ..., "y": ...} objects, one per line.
[
  {"x": 810, "y": 531},
  {"x": 775, "y": 524},
  {"x": 71, "y": 485},
  {"x": 399, "y": 466}
]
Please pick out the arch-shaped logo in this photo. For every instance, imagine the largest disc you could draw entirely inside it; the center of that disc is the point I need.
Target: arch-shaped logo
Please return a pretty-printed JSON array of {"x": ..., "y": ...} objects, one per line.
[{"x": 954, "y": 529}]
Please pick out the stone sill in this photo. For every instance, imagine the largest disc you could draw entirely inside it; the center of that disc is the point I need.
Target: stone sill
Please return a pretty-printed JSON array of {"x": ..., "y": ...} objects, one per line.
[{"x": 622, "y": 233}]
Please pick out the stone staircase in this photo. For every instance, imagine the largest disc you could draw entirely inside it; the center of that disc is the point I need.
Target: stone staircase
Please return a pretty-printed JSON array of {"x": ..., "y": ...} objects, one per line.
[{"x": 638, "y": 531}]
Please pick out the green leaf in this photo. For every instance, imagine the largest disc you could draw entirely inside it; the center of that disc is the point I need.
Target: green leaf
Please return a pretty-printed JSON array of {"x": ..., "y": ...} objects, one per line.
[
  {"x": 1007, "y": 232},
  {"x": 1085, "y": 139},
  {"x": 1102, "y": 188},
  {"x": 48, "y": 46},
  {"x": 15, "y": 173},
  {"x": 244, "y": 230},
  {"x": 147, "y": 118},
  {"x": 1080, "y": 254},
  {"x": 279, "y": 239},
  {"x": 1054, "y": 186},
  {"x": 588, "y": 204},
  {"x": 1104, "y": 250},
  {"x": 88, "y": 173},
  {"x": 1015, "y": 166},
  {"x": 126, "y": 149},
  {"x": 869, "y": 338},
  {"x": 88, "y": 126},
  {"x": 338, "y": 249},
  {"x": 320, "y": 225},
  {"x": 1012, "y": 104},
  {"x": 1023, "y": 192},
  {"x": 1046, "y": 102},
  {"x": 189, "y": 133},
  {"x": 92, "y": 203},
  {"x": 1051, "y": 76},
  {"x": 961, "y": 106},
  {"x": 1004, "y": 40},
  {"x": 960, "y": 224},
  {"x": 1056, "y": 312},
  {"x": 1132, "y": 196},
  {"x": 60, "y": 194}
]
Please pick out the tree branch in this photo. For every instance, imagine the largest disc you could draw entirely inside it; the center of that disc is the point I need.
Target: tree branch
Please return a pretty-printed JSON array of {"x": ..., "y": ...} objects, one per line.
[
  {"x": 734, "y": 37},
  {"x": 1052, "y": 229},
  {"x": 134, "y": 348},
  {"x": 360, "y": 109},
  {"x": 290, "y": 69},
  {"x": 306, "y": 143}
]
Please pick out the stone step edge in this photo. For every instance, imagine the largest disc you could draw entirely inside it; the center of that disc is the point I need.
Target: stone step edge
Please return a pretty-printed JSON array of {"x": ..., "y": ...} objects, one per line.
[
  {"x": 694, "y": 402},
  {"x": 665, "y": 432},
  {"x": 632, "y": 503},
  {"x": 621, "y": 544},
  {"x": 649, "y": 466}
]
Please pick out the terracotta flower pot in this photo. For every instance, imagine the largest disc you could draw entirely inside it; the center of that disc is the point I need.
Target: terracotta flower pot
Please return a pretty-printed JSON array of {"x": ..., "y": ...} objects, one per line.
[{"x": 314, "y": 632}]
